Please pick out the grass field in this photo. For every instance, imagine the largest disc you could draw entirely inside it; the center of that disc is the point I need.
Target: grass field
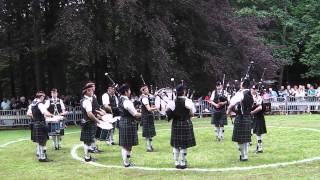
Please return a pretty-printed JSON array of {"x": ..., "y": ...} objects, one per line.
[{"x": 290, "y": 138}]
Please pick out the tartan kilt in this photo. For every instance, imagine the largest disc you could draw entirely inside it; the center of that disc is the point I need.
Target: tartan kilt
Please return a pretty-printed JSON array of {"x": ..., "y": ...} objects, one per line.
[
  {"x": 148, "y": 129},
  {"x": 88, "y": 132},
  {"x": 219, "y": 118},
  {"x": 259, "y": 125},
  {"x": 31, "y": 130},
  {"x": 40, "y": 133},
  {"x": 242, "y": 129},
  {"x": 182, "y": 134},
  {"x": 128, "y": 134}
]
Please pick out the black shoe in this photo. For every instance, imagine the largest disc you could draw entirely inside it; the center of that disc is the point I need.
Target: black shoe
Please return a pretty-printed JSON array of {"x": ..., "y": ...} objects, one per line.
[
  {"x": 183, "y": 167},
  {"x": 113, "y": 143},
  {"x": 45, "y": 160},
  {"x": 129, "y": 165},
  {"x": 178, "y": 166},
  {"x": 56, "y": 148},
  {"x": 261, "y": 151},
  {"x": 243, "y": 159},
  {"x": 90, "y": 159}
]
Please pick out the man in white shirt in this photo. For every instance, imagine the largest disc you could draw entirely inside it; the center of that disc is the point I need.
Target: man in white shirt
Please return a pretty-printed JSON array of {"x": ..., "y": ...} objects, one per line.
[
  {"x": 182, "y": 135},
  {"x": 40, "y": 133},
  {"x": 128, "y": 135},
  {"x": 88, "y": 123},
  {"x": 242, "y": 103},
  {"x": 147, "y": 117},
  {"x": 110, "y": 102},
  {"x": 259, "y": 124},
  {"x": 56, "y": 107},
  {"x": 219, "y": 117}
]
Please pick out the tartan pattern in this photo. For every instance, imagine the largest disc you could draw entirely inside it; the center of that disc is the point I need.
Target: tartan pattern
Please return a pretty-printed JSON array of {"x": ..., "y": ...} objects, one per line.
[
  {"x": 88, "y": 132},
  {"x": 40, "y": 133},
  {"x": 147, "y": 122},
  {"x": 31, "y": 131},
  {"x": 128, "y": 134},
  {"x": 182, "y": 134},
  {"x": 259, "y": 125},
  {"x": 219, "y": 118},
  {"x": 242, "y": 129}
]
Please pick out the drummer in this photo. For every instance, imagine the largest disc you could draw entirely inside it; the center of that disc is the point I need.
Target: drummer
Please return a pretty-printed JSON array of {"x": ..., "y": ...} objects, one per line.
[
  {"x": 40, "y": 133},
  {"x": 91, "y": 116},
  {"x": 56, "y": 107},
  {"x": 111, "y": 103}
]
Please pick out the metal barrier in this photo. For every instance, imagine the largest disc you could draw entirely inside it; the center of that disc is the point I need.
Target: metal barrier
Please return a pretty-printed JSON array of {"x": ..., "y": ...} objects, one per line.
[
  {"x": 11, "y": 118},
  {"x": 284, "y": 105}
]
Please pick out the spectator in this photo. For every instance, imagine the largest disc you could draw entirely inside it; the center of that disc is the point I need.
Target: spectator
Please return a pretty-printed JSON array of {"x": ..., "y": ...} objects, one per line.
[
  {"x": 300, "y": 92},
  {"x": 22, "y": 104},
  {"x": 266, "y": 95},
  {"x": 312, "y": 92},
  {"x": 5, "y": 104},
  {"x": 207, "y": 97},
  {"x": 273, "y": 93},
  {"x": 14, "y": 103},
  {"x": 283, "y": 92}
]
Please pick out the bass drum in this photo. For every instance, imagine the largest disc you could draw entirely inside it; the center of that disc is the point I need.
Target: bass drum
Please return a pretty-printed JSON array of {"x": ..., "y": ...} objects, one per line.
[{"x": 163, "y": 97}]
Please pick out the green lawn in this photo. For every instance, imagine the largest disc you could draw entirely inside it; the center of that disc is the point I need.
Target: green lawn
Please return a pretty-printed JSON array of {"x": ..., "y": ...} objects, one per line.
[{"x": 288, "y": 139}]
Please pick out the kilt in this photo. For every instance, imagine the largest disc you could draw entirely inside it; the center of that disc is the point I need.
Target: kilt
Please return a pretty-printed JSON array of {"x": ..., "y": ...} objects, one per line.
[
  {"x": 88, "y": 132},
  {"x": 128, "y": 134},
  {"x": 148, "y": 129},
  {"x": 182, "y": 134},
  {"x": 40, "y": 133},
  {"x": 31, "y": 130},
  {"x": 219, "y": 118},
  {"x": 259, "y": 125},
  {"x": 242, "y": 129}
]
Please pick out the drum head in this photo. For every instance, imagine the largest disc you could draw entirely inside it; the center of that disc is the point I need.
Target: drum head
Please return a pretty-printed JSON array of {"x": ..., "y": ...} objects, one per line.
[{"x": 162, "y": 98}]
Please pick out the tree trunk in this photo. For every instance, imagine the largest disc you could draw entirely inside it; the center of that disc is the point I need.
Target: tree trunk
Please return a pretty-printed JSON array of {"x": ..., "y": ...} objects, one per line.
[{"x": 37, "y": 42}]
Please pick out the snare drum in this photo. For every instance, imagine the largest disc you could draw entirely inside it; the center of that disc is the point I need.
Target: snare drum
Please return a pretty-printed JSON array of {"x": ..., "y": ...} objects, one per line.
[
  {"x": 53, "y": 128},
  {"x": 101, "y": 134}
]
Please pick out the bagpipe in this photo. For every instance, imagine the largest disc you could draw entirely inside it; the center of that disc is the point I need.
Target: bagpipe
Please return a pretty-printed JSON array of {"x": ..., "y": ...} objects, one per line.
[{"x": 266, "y": 106}]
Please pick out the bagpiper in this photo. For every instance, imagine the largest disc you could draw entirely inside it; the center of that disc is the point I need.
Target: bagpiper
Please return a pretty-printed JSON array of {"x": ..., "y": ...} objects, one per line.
[
  {"x": 219, "y": 117},
  {"x": 182, "y": 135},
  {"x": 147, "y": 117},
  {"x": 128, "y": 135},
  {"x": 242, "y": 103},
  {"x": 259, "y": 123}
]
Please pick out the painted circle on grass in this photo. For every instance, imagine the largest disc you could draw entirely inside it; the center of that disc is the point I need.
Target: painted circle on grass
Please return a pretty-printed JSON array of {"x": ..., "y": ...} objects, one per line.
[
  {"x": 272, "y": 165},
  {"x": 74, "y": 155}
]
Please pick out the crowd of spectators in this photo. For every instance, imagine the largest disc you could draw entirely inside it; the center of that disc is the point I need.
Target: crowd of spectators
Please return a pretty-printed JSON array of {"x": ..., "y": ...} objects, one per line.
[
  {"x": 22, "y": 103},
  {"x": 298, "y": 91}
]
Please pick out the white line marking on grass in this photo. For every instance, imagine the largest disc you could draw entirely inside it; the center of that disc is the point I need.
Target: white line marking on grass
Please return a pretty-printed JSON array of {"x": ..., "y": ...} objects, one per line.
[
  {"x": 12, "y": 142},
  {"x": 75, "y": 156},
  {"x": 25, "y": 139}
]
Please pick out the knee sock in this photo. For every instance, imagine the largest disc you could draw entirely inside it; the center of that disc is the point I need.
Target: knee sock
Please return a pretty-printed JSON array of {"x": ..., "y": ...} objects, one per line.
[
  {"x": 183, "y": 153},
  {"x": 175, "y": 152}
]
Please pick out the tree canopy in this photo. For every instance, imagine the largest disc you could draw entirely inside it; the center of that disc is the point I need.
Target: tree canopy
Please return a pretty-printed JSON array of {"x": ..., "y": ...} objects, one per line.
[{"x": 65, "y": 43}]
